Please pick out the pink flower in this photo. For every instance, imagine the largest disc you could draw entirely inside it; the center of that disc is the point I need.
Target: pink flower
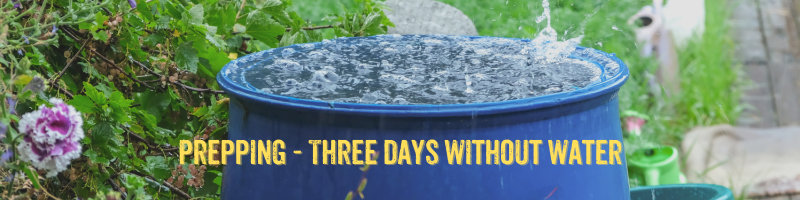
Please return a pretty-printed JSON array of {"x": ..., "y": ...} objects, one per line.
[
  {"x": 634, "y": 125},
  {"x": 52, "y": 137}
]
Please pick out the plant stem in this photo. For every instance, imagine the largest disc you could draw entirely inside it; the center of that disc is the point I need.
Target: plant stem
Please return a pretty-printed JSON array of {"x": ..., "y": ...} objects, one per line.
[
  {"x": 312, "y": 28},
  {"x": 11, "y": 183},
  {"x": 69, "y": 62},
  {"x": 244, "y": 2}
]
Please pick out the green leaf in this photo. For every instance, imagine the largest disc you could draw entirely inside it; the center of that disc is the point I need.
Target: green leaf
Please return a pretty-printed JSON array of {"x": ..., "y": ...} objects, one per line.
[
  {"x": 99, "y": 18},
  {"x": 267, "y": 3},
  {"x": 238, "y": 28},
  {"x": 186, "y": 57},
  {"x": 340, "y": 32},
  {"x": 157, "y": 166},
  {"x": 633, "y": 113},
  {"x": 120, "y": 113},
  {"x": 261, "y": 27},
  {"x": 314, "y": 36},
  {"x": 101, "y": 133},
  {"x": 101, "y": 35},
  {"x": 362, "y": 185},
  {"x": 95, "y": 158},
  {"x": 105, "y": 89},
  {"x": 96, "y": 96},
  {"x": 209, "y": 187},
  {"x": 24, "y": 64},
  {"x": 37, "y": 58},
  {"x": 218, "y": 181},
  {"x": 133, "y": 182},
  {"x": 147, "y": 119},
  {"x": 349, "y": 196},
  {"x": 89, "y": 69},
  {"x": 296, "y": 38},
  {"x": 172, "y": 10},
  {"x": 373, "y": 19},
  {"x": 163, "y": 22},
  {"x": 385, "y": 20},
  {"x": 196, "y": 14},
  {"x": 70, "y": 82},
  {"x": 154, "y": 39},
  {"x": 130, "y": 43},
  {"x": 223, "y": 17},
  {"x": 201, "y": 111},
  {"x": 213, "y": 38},
  {"x": 144, "y": 10},
  {"x": 32, "y": 176},
  {"x": 279, "y": 13},
  {"x": 234, "y": 43},
  {"x": 154, "y": 103},
  {"x": 137, "y": 129},
  {"x": 86, "y": 25},
  {"x": 82, "y": 103},
  {"x": 136, "y": 187},
  {"x": 296, "y": 18},
  {"x": 117, "y": 97},
  {"x": 216, "y": 60}
]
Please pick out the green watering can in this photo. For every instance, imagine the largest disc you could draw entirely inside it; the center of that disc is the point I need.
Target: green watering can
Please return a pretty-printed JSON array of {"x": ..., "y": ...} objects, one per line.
[{"x": 656, "y": 166}]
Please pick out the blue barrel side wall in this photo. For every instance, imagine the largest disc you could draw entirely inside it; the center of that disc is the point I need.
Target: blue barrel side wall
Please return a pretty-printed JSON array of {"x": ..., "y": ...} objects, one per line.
[{"x": 590, "y": 119}]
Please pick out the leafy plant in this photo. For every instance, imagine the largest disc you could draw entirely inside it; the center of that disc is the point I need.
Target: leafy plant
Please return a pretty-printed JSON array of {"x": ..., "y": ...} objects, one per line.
[{"x": 142, "y": 75}]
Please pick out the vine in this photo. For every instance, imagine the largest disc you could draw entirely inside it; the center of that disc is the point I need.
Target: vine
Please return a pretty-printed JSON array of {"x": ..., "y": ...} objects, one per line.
[{"x": 134, "y": 78}]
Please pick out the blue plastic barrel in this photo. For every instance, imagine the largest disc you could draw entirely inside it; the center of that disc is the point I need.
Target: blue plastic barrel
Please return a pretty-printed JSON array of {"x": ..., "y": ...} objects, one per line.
[
  {"x": 589, "y": 113},
  {"x": 682, "y": 192}
]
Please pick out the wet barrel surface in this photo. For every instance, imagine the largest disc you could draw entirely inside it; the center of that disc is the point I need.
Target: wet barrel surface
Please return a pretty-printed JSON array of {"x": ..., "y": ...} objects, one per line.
[{"x": 588, "y": 113}]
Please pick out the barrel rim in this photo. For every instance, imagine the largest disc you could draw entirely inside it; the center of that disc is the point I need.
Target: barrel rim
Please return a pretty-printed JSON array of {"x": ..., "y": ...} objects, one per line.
[
  {"x": 722, "y": 192},
  {"x": 431, "y": 110}
]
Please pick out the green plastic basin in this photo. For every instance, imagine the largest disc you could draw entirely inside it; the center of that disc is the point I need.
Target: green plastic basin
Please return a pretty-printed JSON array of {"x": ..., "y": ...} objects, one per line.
[{"x": 682, "y": 192}]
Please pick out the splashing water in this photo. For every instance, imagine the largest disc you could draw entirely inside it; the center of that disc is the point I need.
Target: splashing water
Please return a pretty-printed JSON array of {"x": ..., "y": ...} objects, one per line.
[{"x": 548, "y": 49}]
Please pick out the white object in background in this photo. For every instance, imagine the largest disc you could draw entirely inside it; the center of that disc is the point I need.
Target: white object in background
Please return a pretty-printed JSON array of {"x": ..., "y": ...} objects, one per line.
[
  {"x": 659, "y": 40},
  {"x": 652, "y": 25},
  {"x": 685, "y": 19}
]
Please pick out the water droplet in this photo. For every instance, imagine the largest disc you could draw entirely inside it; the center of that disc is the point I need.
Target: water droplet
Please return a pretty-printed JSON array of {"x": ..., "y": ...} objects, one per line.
[
  {"x": 291, "y": 82},
  {"x": 368, "y": 98},
  {"x": 287, "y": 51},
  {"x": 316, "y": 85},
  {"x": 540, "y": 19},
  {"x": 400, "y": 101}
]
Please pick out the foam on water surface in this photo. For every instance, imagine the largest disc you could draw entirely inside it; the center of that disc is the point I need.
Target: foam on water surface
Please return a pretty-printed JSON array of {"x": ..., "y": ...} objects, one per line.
[{"x": 416, "y": 69}]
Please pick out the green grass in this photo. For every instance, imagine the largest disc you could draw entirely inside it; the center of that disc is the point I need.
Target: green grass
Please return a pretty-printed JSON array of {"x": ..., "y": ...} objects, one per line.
[{"x": 710, "y": 79}]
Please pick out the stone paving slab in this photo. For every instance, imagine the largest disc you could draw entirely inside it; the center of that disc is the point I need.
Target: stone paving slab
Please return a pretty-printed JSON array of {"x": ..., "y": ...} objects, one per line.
[
  {"x": 742, "y": 158},
  {"x": 768, "y": 45}
]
